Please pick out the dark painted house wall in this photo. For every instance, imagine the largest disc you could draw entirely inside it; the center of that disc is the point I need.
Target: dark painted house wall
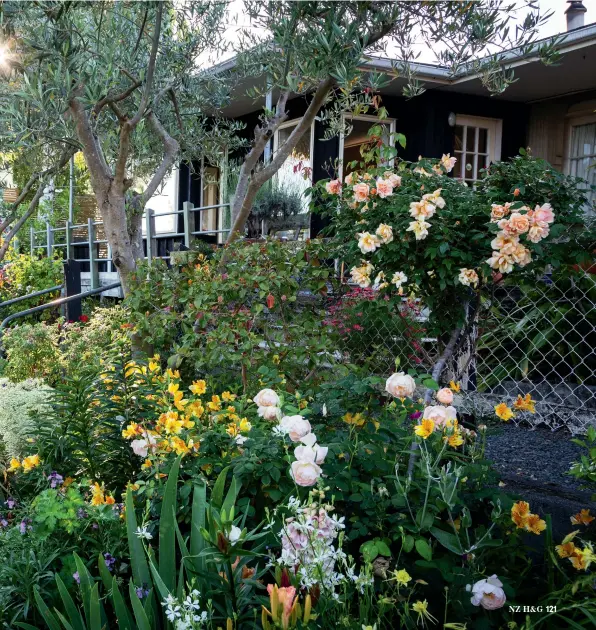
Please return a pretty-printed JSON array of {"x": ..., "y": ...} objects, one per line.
[{"x": 423, "y": 120}]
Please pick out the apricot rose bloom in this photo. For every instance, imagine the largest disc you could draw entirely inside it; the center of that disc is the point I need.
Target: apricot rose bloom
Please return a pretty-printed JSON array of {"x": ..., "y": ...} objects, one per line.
[
  {"x": 384, "y": 188},
  {"x": 488, "y": 593},
  {"x": 361, "y": 192},
  {"x": 266, "y": 398},
  {"x": 445, "y": 396},
  {"x": 400, "y": 385},
  {"x": 518, "y": 223},
  {"x": 394, "y": 180},
  {"x": 333, "y": 187},
  {"x": 468, "y": 277}
]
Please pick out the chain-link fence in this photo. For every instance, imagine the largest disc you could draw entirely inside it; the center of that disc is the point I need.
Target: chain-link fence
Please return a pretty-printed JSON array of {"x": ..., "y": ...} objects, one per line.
[{"x": 536, "y": 338}]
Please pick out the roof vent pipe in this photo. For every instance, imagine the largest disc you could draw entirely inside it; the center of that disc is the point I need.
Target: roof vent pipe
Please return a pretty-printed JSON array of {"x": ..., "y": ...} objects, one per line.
[{"x": 575, "y": 14}]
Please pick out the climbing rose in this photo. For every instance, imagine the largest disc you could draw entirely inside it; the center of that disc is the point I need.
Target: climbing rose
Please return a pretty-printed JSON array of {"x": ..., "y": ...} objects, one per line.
[
  {"x": 296, "y": 426},
  {"x": 305, "y": 473},
  {"x": 445, "y": 396},
  {"x": 333, "y": 187},
  {"x": 267, "y": 398},
  {"x": 488, "y": 593}
]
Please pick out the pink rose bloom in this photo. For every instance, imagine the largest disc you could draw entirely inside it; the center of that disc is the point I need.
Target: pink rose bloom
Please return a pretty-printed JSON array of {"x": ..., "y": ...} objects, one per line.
[
  {"x": 361, "y": 192},
  {"x": 489, "y": 593},
  {"x": 384, "y": 188},
  {"x": 445, "y": 396},
  {"x": 296, "y": 427},
  {"x": 310, "y": 451},
  {"x": 348, "y": 179},
  {"x": 333, "y": 187},
  {"x": 269, "y": 413},
  {"x": 544, "y": 213},
  {"x": 440, "y": 415},
  {"x": 305, "y": 474},
  {"x": 400, "y": 385},
  {"x": 518, "y": 223}
]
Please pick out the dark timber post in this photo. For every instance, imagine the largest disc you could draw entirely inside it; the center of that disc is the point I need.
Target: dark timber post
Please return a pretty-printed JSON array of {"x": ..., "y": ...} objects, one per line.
[{"x": 72, "y": 286}]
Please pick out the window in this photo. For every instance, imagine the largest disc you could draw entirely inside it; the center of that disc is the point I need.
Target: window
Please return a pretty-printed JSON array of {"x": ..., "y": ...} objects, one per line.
[
  {"x": 295, "y": 174},
  {"x": 477, "y": 143},
  {"x": 581, "y": 154},
  {"x": 349, "y": 145}
]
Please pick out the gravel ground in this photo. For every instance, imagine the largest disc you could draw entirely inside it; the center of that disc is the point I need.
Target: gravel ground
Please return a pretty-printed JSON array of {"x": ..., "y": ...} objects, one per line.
[
  {"x": 538, "y": 455},
  {"x": 533, "y": 464}
]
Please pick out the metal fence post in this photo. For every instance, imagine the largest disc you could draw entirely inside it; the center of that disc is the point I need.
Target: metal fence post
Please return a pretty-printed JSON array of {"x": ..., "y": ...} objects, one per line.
[
  {"x": 49, "y": 239},
  {"x": 150, "y": 234},
  {"x": 72, "y": 286},
  {"x": 16, "y": 244},
  {"x": 189, "y": 223},
  {"x": 68, "y": 235},
  {"x": 93, "y": 267},
  {"x": 32, "y": 240}
]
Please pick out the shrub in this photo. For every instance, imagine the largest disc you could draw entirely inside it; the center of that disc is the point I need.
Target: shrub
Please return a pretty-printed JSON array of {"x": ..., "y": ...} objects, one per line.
[{"x": 18, "y": 402}]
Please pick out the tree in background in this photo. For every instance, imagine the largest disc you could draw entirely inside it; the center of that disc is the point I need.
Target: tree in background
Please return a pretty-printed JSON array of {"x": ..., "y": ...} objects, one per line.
[
  {"x": 120, "y": 81},
  {"x": 318, "y": 48}
]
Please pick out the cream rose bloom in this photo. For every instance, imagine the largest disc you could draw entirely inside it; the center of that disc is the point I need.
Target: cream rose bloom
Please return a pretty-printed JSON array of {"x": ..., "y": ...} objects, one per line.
[
  {"x": 488, "y": 593},
  {"x": 423, "y": 209},
  {"x": 521, "y": 255},
  {"x": 440, "y": 415},
  {"x": 394, "y": 180},
  {"x": 266, "y": 398},
  {"x": 505, "y": 243},
  {"x": 420, "y": 229},
  {"x": 537, "y": 232},
  {"x": 361, "y": 192},
  {"x": 498, "y": 212},
  {"x": 361, "y": 275},
  {"x": 400, "y": 385},
  {"x": 385, "y": 233},
  {"x": 269, "y": 413},
  {"x": 333, "y": 187},
  {"x": 384, "y": 188},
  {"x": 501, "y": 262},
  {"x": 399, "y": 278},
  {"x": 305, "y": 473},
  {"x": 448, "y": 162},
  {"x": 368, "y": 242},
  {"x": 348, "y": 179},
  {"x": 468, "y": 277},
  {"x": 445, "y": 396},
  {"x": 310, "y": 451},
  {"x": 295, "y": 426},
  {"x": 435, "y": 197}
]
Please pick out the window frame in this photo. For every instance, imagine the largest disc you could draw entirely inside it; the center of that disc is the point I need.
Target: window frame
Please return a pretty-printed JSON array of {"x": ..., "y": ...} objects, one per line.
[
  {"x": 293, "y": 123},
  {"x": 494, "y": 138},
  {"x": 367, "y": 118}
]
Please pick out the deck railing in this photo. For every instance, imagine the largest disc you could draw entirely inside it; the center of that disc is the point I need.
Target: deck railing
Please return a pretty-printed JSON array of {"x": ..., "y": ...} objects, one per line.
[{"x": 76, "y": 235}]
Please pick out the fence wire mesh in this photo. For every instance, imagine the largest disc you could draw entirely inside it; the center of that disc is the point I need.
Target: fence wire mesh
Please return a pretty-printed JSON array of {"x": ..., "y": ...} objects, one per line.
[{"x": 536, "y": 338}]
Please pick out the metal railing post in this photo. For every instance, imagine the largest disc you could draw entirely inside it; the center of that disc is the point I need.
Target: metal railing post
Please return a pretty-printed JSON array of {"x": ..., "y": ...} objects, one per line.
[
  {"x": 49, "y": 239},
  {"x": 150, "y": 234},
  {"x": 189, "y": 223},
  {"x": 68, "y": 233},
  {"x": 32, "y": 239},
  {"x": 93, "y": 267}
]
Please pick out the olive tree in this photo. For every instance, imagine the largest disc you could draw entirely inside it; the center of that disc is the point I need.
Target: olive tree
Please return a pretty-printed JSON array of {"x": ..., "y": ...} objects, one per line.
[
  {"x": 122, "y": 82},
  {"x": 318, "y": 49}
]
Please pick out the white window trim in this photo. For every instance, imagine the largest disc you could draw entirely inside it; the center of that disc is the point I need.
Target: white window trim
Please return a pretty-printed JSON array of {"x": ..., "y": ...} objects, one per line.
[
  {"x": 575, "y": 121},
  {"x": 293, "y": 123},
  {"x": 494, "y": 126},
  {"x": 368, "y": 118}
]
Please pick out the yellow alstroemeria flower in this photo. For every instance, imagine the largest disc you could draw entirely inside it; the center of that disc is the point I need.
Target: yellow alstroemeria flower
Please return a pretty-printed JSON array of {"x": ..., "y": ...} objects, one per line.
[
  {"x": 504, "y": 412},
  {"x": 245, "y": 425},
  {"x": 132, "y": 430},
  {"x": 215, "y": 404},
  {"x": 525, "y": 404},
  {"x": 195, "y": 408},
  {"x": 29, "y": 463},
  {"x": 228, "y": 396},
  {"x": 425, "y": 428},
  {"x": 454, "y": 387},
  {"x": 356, "y": 419},
  {"x": 173, "y": 373},
  {"x": 198, "y": 388},
  {"x": 15, "y": 464},
  {"x": 582, "y": 518},
  {"x": 232, "y": 429}
]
